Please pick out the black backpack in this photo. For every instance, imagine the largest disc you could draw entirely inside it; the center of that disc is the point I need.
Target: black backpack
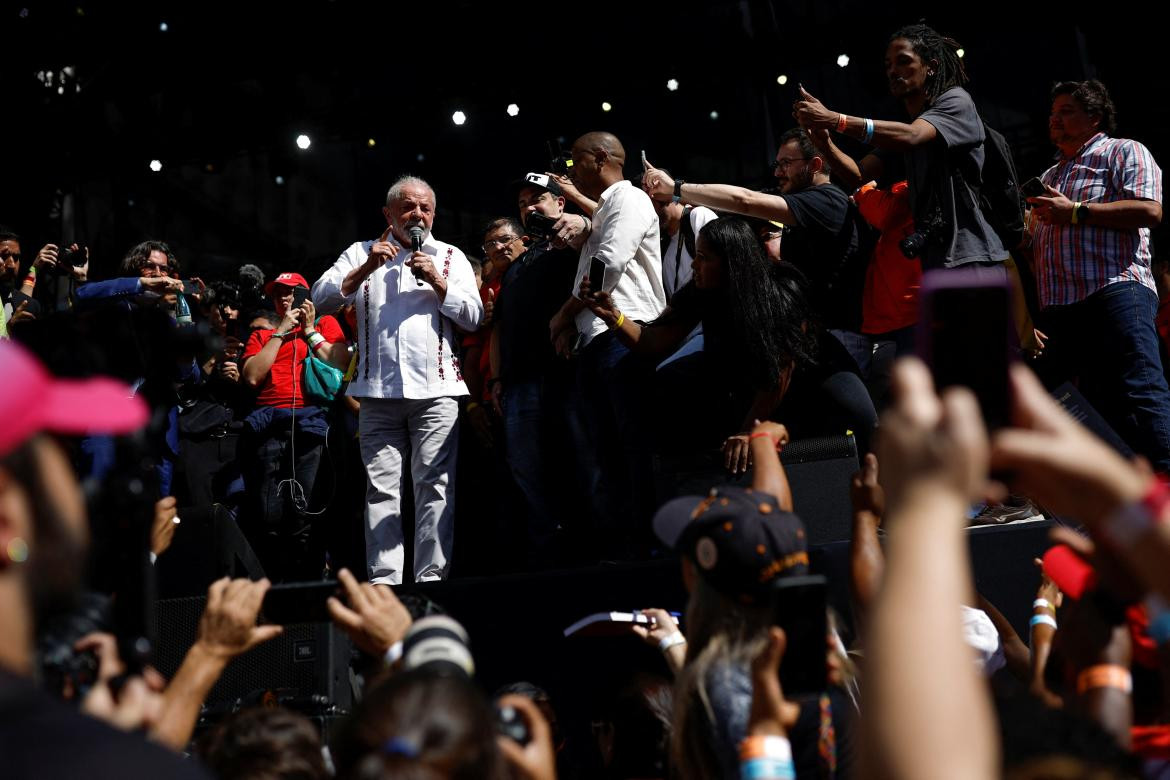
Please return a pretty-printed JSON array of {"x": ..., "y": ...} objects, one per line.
[{"x": 997, "y": 189}]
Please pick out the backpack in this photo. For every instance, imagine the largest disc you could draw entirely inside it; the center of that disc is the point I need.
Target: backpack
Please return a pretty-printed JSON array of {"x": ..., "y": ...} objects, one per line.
[{"x": 997, "y": 189}]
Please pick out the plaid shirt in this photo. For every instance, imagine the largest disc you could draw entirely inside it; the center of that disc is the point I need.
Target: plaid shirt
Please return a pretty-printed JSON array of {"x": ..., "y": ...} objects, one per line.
[{"x": 1074, "y": 261}]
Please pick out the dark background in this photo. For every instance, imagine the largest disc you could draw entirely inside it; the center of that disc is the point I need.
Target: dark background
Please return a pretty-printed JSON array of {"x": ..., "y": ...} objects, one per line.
[{"x": 220, "y": 96}]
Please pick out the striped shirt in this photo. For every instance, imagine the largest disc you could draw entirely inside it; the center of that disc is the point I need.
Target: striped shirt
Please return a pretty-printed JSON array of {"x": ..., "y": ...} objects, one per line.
[{"x": 1075, "y": 261}]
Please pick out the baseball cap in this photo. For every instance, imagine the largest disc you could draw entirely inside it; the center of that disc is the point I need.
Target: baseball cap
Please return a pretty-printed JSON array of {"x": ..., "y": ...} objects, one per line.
[
  {"x": 739, "y": 539},
  {"x": 287, "y": 279},
  {"x": 34, "y": 400},
  {"x": 542, "y": 180}
]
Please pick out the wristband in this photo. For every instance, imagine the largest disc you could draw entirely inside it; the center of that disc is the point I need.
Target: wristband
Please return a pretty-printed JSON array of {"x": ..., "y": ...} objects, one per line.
[
  {"x": 678, "y": 183},
  {"x": 621, "y": 318},
  {"x": 673, "y": 640},
  {"x": 759, "y": 434},
  {"x": 868, "y": 131},
  {"x": 316, "y": 339},
  {"x": 588, "y": 226},
  {"x": 1076, "y": 207},
  {"x": 1043, "y": 604},
  {"x": 471, "y": 405},
  {"x": 1042, "y": 620},
  {"x": 276, "y": 334},
  {"x": 842, "y": 122},
  {"x": 771, "y": 746},
  {"x": 1105, "y": 676},
  {"x": 767, "y": 769},
  {"x": 393, "y": 654}
]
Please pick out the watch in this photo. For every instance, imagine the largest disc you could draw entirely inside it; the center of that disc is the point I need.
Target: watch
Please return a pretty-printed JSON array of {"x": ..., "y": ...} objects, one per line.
[
  {"x": 678, "y": 183},
  {"x": 1082, "y": 212}
]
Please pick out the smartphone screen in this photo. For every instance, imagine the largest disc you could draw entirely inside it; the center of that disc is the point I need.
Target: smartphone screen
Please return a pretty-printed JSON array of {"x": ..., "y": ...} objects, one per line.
[
  {"x": 1033, "y": 188},
  {"x": 300, "y": 295},
  {"x": 798, "y": 607},
  {"x": 966, "y": 336},
  {"x": 596, "y": 275},
  {"x": 299, "y": 602}
]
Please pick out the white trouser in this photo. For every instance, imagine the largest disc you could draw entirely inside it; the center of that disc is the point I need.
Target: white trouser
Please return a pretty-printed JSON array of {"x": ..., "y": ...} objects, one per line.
[{"x": 427, "y": 430}]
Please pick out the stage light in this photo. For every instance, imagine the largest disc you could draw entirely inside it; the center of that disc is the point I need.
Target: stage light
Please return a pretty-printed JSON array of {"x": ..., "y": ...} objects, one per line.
[
  {"x": 459, "y": 117},
  {"x": 672, "y": 85},
  {"x": 843, "y": 61},
  {"x": 156, "y": 165},
  {"x": 162, "y": 27},
  {"x": 303, "y": 141},
  {"x": 960, "y": 53},
  {"x": 714, "y": 114},
  {"x": 420, "y": 157},
  {"x": 513, "y": 109},
  {"x": 606, "y": 107},
  {"x": 781, "y": 79},
  {"x": 279, "y": 181},
  {"x": 371, "y": 143}
]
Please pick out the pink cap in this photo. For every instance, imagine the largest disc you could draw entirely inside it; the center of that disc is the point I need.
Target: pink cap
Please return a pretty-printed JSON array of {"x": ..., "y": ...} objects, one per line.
[
  {"x": 287, "y": 279},
  {"x": 33, "y": 400}
]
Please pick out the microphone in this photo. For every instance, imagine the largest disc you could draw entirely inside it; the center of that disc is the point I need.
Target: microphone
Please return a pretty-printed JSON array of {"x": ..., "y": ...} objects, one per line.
[{"x": 416, "y": 242}]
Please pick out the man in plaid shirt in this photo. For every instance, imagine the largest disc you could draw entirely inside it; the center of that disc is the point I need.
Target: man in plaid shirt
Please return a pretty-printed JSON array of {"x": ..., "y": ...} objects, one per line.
[{"x": 1092, "y": 253}]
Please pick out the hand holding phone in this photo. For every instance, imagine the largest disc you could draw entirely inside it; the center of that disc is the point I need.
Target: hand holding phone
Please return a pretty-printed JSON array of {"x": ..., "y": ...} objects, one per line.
[
  {"x": 1034, "y": 188},
  {"x": 300, "y": 295},
  {"x": 596, "y": 275},
  {"x": 799, "y": 607}
]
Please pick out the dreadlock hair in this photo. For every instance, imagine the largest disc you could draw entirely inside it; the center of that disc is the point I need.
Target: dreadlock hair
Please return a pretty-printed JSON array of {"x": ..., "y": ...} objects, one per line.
[
  {"x": 1094, "y": 98},
  {"x": 929, "y": 45},
  {"x": 769, "y": 318}
]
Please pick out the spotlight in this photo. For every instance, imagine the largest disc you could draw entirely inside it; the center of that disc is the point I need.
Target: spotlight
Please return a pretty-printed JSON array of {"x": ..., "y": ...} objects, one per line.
[
  {"x": 513, "y": 109},
  {"x": 672, "y": 85},
  {"x": 420, "y": 157},
  {"x": 781, "y": 79},
  {"x": 371, "y": 143},
  {"x": 459, "y": 117},
  {"x": 606, "y": 107},
  {"x": 279, "y": 181},
  {"x": 303, "y": 141},
  {"x": 843, "y": 61},
  {"x": 714, "y": 115},
  {"x": 162, "y": 27},
  {"x": 960, "y": 53},
  {"x": 156, "y": 165}
]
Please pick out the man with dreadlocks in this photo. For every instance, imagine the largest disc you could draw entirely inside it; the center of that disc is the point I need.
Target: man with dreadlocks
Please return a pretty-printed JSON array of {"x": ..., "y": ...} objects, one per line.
[{"x": 944, "y": 137}]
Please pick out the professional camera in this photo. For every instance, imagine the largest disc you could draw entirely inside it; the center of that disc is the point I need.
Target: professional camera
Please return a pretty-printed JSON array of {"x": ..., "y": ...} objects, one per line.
[
  {"x": 537, "y": 226},
  {"x": 934, "y": 230},
  {"x": 67, "y": 258},
  {"x": 560, "y": 161}
]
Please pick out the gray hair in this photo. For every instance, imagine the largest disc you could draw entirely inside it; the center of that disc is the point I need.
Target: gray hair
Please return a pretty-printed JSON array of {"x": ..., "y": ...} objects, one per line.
[{"x": 395, "y": 191}]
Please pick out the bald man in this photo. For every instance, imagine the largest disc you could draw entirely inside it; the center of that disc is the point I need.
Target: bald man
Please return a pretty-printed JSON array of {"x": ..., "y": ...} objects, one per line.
[{"x": 624, "y": 235}]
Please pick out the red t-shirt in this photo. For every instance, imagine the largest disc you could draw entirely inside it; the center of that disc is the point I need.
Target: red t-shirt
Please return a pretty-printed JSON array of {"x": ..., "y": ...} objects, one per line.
[
  {"x": 890, "y": 300},
  {"x": 278, "y": 389}
]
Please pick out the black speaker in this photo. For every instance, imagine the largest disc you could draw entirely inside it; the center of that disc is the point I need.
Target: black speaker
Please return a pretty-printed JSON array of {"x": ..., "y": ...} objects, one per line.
[
  {"x": 305, "y": 668},
  {"x": 819, "y": 471}
]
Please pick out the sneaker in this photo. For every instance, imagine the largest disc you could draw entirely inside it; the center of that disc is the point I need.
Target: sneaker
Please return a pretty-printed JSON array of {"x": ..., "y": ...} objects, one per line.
[{"x": 1016, "y": 509}]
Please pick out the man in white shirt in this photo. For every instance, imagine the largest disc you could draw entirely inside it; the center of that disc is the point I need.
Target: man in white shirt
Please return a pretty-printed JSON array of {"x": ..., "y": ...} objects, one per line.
[
  {"x": 624, "y": 235},
  {"x": 408, "y": 375}
]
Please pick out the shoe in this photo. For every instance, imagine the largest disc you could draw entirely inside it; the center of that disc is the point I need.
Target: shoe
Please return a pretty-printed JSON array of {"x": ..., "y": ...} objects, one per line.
[{"x": 1016, "y": 509}]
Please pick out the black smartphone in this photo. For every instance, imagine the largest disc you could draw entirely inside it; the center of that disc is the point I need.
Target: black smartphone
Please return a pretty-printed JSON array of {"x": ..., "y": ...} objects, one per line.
[
  {"x": 33, "y": 306},
  {"x": 300, "y": 295},
  {"x": 798, "y": 607},
  {"x": 967, "y": 336},
  {"x": 1033, "y": 188},
  {"x": 299, "y": 602},
  {"x": 190, "y": 288},
  {"x": 596, "y": 275},
  {"x": 537, "y": 226}
]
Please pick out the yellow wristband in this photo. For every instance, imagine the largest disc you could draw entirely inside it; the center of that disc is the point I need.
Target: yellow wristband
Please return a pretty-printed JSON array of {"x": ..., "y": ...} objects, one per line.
[
  {"x": 621, "y": 318},
  {"x": 470, "y": 406},
  {"x": 1076, "y": 208}
]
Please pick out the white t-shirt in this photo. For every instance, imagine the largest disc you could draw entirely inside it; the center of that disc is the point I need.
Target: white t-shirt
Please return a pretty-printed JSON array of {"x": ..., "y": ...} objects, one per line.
[{"x": 676, "y": 259}]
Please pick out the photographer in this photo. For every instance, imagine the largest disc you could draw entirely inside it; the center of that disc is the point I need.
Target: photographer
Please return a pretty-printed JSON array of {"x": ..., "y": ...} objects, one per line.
[
  {"x": 150, "y": 268},
  {"x": 284, "y": 436},
  {"x": 50, "y": 264}
]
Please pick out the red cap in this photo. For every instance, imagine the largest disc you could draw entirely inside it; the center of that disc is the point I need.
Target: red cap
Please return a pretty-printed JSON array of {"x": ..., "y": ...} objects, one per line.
[
  {"x": 34, "y": 400},
  {"x": 1071, "y": 573},
  {"x": 287, "y": 279}
]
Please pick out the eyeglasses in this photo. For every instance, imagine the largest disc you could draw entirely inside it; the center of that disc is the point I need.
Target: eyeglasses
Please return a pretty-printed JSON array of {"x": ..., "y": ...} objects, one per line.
[
  {"x": 162, "y": 269},
  {"x": 783, "y": 163},
  {"x": 501, "y": 242}
]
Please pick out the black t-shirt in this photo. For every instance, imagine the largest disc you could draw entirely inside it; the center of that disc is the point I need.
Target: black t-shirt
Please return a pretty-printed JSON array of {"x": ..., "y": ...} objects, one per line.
[
  {"x": 825, "y": 243},
  {"x": 42, "y": 738},
  {"x": 531, "y": 292}
]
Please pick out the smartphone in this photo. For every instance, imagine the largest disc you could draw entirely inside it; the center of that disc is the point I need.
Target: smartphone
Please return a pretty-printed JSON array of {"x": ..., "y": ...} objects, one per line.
[
  {"x": 1033, "y": 188},
  {"x": 190, "y": 288},
  {"x": 967, "y": 337},
  {"x": 644, "y": 163},
  {"x": 299, "y": 602},
  {"x": 798, "y": 607},
  {"x": 300, "y": 295},
  {"x": 33, "y": 307},
  {"x": 1071, "y": 573},
  {"x": 596, "y": 275}
]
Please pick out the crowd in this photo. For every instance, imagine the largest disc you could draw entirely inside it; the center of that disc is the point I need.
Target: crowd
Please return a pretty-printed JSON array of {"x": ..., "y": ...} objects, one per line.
[{"x": 531, "y": 406}]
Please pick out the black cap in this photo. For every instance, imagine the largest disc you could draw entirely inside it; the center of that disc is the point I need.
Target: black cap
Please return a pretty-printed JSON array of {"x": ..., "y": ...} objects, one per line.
[
  {"x": 739, "y": 539},
  {"x": 542, "y": 180}
]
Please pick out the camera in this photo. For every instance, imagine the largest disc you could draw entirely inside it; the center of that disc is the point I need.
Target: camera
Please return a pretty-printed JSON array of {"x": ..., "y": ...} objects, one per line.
[
  {"x": 67, "y": 258},
  {"x": 511, "y": 724},
  {"x": 560, "y": 161},
  {"x": 537, "y": 226},
  {"x": 934, "y": 231}
]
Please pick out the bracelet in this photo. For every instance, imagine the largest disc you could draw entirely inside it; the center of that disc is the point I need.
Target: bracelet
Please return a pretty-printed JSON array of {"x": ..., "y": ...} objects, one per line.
[
  {"x": 316, "y": 339},
  {"x": 1042, "y": 620},
  {"x": 471, "y": 405},
  {"x": 767, "y": 769},
  {"x": 1105, "y": 676},
  {"x": 678, "y": 183},
  {"x": 868, "y": 130},
  {"x": 672, "y": 640},
  {"x": 588, "y": 227},
  {"x": 276, "y": 334},
  {"x": 1076, "y": 207},
  {"x": 842, "y": 123},
  {"x": 621, "y": 318},
  {"x": 769, "y": 746},
  {"x": 775, "y": 442},
  {"x": 1043, "y": 604}
]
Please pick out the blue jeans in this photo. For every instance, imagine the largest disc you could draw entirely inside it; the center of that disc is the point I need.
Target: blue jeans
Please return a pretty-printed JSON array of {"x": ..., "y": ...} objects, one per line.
[
  {"x": 1108, "y": 343},
  {"x": 523, "y": 443}
]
